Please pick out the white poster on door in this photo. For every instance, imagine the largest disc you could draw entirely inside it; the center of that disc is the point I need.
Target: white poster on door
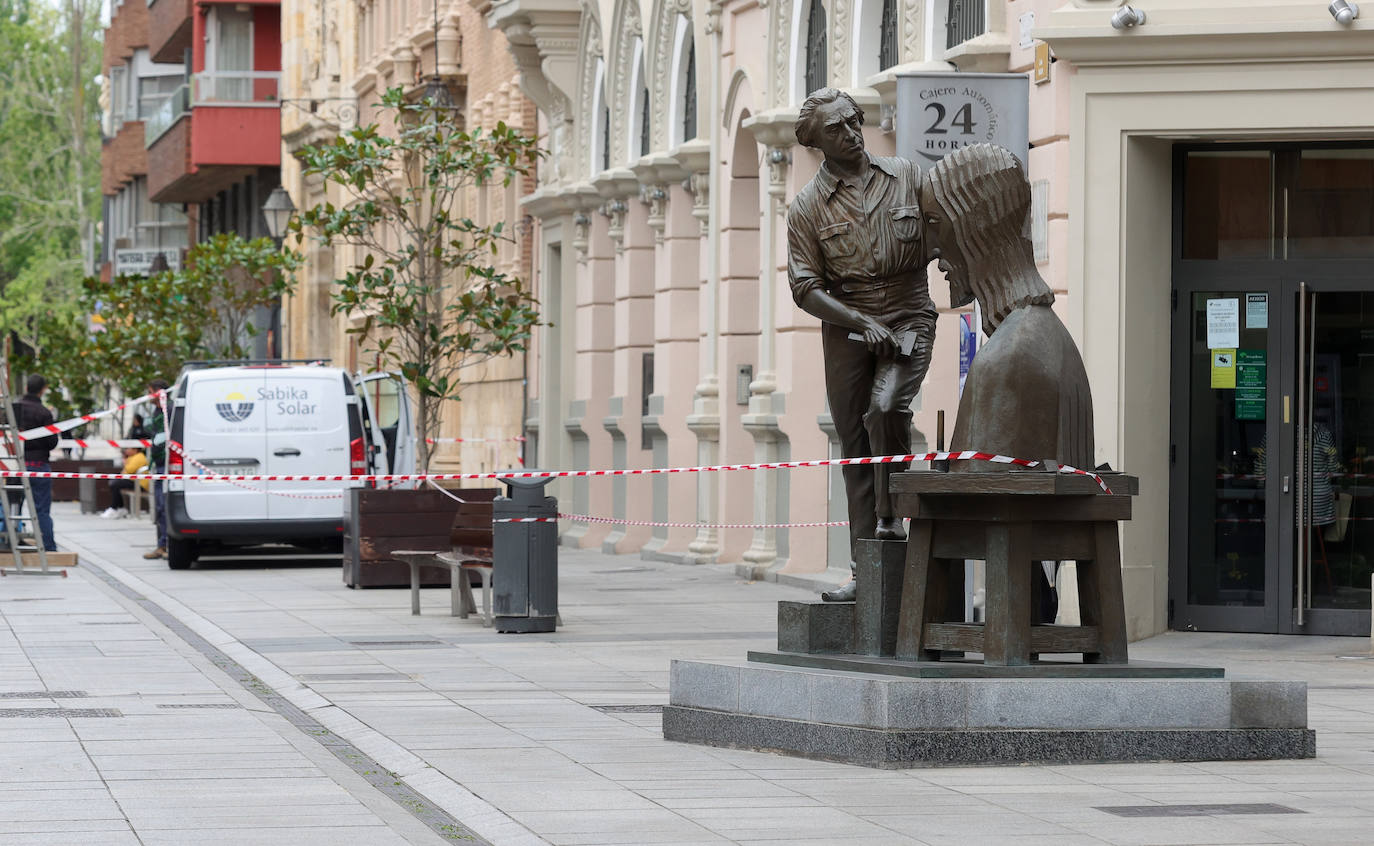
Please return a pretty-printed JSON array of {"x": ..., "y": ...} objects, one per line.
[
  {"x": 1223, "y": 324},
  {"x": 1256, "y": 311}
]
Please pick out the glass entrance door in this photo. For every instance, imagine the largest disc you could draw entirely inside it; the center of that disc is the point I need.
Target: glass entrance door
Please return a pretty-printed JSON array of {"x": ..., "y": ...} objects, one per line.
[
  {"x": 1330, "y": 456},
  {"x": 1227, "y": 402},
  {"x": 1273, "y": 478}
]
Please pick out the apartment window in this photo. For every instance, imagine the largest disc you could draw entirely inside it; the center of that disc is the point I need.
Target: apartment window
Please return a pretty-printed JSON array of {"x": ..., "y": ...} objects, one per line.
[
  {"x": 887, "y": 44},
  {"x": 964, "y": 21},
  {"x": 152, "y": 91},
  {"x": 228, "y": 57},
  {"x": 605, "y": 134},
  {"x": 816, "y": 71},
  {"x": 119, "y": 94}
]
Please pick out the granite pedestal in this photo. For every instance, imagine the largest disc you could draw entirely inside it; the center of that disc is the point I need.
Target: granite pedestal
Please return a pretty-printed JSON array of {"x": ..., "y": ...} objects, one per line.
[{"x": 897, "y": 721}]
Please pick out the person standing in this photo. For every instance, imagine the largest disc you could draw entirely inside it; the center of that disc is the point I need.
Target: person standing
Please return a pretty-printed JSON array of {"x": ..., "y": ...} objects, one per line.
[
  {"x": 30, "y": 413},
  {"x": 857, "y": 260},
  {"x": 157, "y": 454}
]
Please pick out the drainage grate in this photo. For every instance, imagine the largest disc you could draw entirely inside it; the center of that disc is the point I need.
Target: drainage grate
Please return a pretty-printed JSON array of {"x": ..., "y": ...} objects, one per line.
[
  {"x": 386, "y": 643},
  {"x": 620, "y": 570},
  {"x": 44, "y": 694},
  {"x": 628, "y": 709},
  {"x": 109, "y": 623},
  {"x": 203, "y": 705},
  {"x": 32, "y": 599},
  {"x": 59, "y": 712},
  {"x": 1238, "y": 809},
  {"x": 356, "y": 676}
]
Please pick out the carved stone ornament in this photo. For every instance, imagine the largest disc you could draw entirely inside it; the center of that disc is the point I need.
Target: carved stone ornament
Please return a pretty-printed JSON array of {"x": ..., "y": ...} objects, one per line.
[
  {"x": 626, "y": 31},
  {"x": 587, "y": 112},
  {"x": 839, "y": 21},
  {"x": 780, "y": 36},
  {"x": 662, "y": 28},
  {"x": 913, "y": 28},
  {"x": 695, "y": 158}
]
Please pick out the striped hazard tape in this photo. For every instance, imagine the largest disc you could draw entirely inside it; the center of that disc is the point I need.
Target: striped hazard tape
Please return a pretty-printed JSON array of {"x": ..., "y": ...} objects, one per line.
[
  {"x": 968, "y": 455},
  {"x": 71, "y": 423},
  {"x": 583, "y": 518}
]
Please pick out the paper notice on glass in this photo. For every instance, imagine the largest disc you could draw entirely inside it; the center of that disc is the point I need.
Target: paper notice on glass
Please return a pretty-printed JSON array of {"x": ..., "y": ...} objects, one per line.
[
  {"x": 1223, "y": 324},
  {"x": 1256, "y": 311},
  {"x": 1223, "y": 369}
]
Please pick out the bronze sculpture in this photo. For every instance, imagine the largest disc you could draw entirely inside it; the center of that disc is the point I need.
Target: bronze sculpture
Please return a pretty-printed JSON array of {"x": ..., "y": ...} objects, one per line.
[
  {"x": 857, "y": 261},
  {"x": 1026, "y": 394},
  {"x": 1027, "y": 391}
]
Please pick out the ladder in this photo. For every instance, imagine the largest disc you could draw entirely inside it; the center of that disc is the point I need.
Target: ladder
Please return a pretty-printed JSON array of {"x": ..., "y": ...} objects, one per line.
[{"x": 12, "y": 458}]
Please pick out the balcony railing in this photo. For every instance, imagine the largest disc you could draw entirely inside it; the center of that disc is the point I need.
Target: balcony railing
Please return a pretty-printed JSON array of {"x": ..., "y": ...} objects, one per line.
[
  {"x": 964, "y": 21},
  {"x": 166, "y": 114},
  {"x": 235, "y": 88}
]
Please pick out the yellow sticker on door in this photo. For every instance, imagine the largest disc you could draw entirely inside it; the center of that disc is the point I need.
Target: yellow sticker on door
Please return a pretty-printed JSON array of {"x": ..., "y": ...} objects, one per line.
[{"x": 1223, "y": 369}]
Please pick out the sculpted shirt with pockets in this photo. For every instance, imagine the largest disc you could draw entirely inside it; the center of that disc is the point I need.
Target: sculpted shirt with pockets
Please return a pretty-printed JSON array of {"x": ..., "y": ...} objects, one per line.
[{"x": 852, "y": 239}]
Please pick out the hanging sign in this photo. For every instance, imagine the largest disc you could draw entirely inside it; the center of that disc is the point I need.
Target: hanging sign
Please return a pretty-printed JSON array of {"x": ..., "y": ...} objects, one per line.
[
  {"x": 937, "y": 113},
  {"x": 1223, "y": 324}
]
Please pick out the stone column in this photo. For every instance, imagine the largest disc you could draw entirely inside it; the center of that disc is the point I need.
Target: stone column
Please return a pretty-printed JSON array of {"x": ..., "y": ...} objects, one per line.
[
  {"x": 774, "y": 129},
  {"x": 695, "y": 157},
  {"x": 632, "y": 291}
]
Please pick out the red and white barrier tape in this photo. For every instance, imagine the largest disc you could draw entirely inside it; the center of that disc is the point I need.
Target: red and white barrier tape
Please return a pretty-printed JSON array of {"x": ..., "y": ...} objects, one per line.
[
  {"x": 583, "y": 518},
  {"x": 516, "y": 439},
  {"x": 87, "y": 443},
  {"x": 967, "y": 455},
  {"x": 72, "y": 423}
]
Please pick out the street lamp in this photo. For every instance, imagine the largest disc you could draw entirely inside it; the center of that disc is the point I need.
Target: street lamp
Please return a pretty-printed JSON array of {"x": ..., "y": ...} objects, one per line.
[{"x": 278, "y": 210}]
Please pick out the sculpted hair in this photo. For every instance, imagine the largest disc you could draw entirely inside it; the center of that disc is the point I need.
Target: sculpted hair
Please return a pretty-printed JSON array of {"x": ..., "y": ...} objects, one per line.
[
  {"x": 986, "y": 198},
  {"x": 806, "y": 119}
]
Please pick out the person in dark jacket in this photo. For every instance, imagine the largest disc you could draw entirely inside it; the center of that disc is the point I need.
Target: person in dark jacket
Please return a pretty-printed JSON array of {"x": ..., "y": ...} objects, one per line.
[
  {"x": 30, "y": 413},
  {"x": 157, "y": 456}
]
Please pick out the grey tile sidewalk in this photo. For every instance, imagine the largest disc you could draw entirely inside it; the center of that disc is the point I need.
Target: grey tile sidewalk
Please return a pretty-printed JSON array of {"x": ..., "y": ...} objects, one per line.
[{"x": 502, "y": 730}]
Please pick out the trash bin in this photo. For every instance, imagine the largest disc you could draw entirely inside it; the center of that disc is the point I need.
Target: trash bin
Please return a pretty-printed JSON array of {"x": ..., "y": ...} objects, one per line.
[{"x": 525, "y": 558}]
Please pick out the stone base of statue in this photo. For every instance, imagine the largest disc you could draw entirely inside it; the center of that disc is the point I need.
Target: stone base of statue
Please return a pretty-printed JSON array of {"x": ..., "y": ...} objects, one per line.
[{"x": 898, "y": 679}]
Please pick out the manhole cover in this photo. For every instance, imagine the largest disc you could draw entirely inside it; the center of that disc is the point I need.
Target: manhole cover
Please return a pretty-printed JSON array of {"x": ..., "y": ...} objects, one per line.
[
  {"x": 202, "y": 705},
  {"x": 385, "y": 643},
  {"x": 358, "y": 676}
]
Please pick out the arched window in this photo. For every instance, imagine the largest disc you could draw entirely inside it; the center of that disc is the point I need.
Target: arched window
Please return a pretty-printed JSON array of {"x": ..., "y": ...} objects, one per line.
[
  {"x": 683, "y": 124},
  {"x": 887, "y": 44},
  {"x": 605, "y": 134},
  {"x": 600, "y": 136},
  {"x": 816, "y": 72},
  {"x": 644, "y": 121},
  {"x": 689, "y": 104}
]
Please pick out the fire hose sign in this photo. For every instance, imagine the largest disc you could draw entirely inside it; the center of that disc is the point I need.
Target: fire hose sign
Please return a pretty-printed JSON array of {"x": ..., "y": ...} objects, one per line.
[{"x": 938, "y": 113}]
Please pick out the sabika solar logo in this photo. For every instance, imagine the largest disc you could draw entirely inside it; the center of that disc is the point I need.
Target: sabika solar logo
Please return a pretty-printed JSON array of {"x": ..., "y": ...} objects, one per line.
[{"x": 235, "y": 408}]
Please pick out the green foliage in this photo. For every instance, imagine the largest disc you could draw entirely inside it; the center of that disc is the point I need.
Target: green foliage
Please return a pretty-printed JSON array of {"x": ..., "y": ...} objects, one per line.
[
  {"x": 151, "y": 325},
  {"x": 49, "y": 162},
  {"x": 430, "y": 296}
]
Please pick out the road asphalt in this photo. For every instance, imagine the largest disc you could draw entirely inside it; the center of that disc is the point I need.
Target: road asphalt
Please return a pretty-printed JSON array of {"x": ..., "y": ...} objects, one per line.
[{"x": 260, "y": 701}]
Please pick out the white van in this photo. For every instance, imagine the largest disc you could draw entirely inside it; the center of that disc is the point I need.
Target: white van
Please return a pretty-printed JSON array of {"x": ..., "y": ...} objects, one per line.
[{"x": 276, "y": 419}]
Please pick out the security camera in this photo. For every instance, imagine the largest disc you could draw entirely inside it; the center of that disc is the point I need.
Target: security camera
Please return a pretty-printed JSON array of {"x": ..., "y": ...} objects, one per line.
[
  {"x": 1343, "y": 11},
  {"x": 1129, "y": 16}
]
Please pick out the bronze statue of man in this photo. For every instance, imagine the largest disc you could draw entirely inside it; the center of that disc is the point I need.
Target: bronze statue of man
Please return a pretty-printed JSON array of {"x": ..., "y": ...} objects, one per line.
[
  {"x": 1026, "y": 394},
  {"x": 856, "y": 260}
]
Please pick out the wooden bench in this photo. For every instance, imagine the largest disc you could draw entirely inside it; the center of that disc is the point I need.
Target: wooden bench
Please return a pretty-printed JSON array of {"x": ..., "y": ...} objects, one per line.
[{"x": 470, "y": 540}]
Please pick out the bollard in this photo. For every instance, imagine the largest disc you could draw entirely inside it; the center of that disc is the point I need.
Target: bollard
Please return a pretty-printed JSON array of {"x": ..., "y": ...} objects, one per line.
[{"x": 525, "y": 559}]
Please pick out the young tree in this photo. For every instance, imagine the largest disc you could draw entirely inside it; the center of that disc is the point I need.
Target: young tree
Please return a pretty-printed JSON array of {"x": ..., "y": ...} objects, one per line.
[
  {"x": 228, "y": 278},
  {"x": 432, "y": 300}
]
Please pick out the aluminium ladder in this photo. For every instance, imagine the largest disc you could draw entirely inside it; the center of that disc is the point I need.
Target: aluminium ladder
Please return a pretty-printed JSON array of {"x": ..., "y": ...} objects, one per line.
[{"x": 12, "y": 458}]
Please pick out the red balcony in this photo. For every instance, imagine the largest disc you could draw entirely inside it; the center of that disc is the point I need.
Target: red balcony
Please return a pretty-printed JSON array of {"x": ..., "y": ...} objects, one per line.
[{"x": 212, "y": 133}]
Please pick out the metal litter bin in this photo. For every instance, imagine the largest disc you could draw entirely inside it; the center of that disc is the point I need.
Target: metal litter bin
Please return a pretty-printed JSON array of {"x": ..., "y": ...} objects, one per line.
[{"x": 525, "y": 558}]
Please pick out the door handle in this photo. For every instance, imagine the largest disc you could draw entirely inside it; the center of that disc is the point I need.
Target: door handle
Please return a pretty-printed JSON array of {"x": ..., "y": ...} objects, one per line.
[
  {"x": 287, "y": 451},
  {"x": 1285, "y": 484}
]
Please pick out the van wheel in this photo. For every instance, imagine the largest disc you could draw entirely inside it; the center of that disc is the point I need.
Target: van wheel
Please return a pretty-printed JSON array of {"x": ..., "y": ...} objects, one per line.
[{"x": 180, "y": 553}]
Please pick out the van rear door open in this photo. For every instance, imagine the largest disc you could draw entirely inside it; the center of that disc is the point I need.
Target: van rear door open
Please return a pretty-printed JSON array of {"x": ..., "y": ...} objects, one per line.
[
  {"x": 307, "y": 416},
  {"x": 226, "y": 432}
]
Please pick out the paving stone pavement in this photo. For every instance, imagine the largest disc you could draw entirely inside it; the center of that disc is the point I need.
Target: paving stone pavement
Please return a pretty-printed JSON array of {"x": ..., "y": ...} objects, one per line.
[{"x": 532, "y": 738}]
